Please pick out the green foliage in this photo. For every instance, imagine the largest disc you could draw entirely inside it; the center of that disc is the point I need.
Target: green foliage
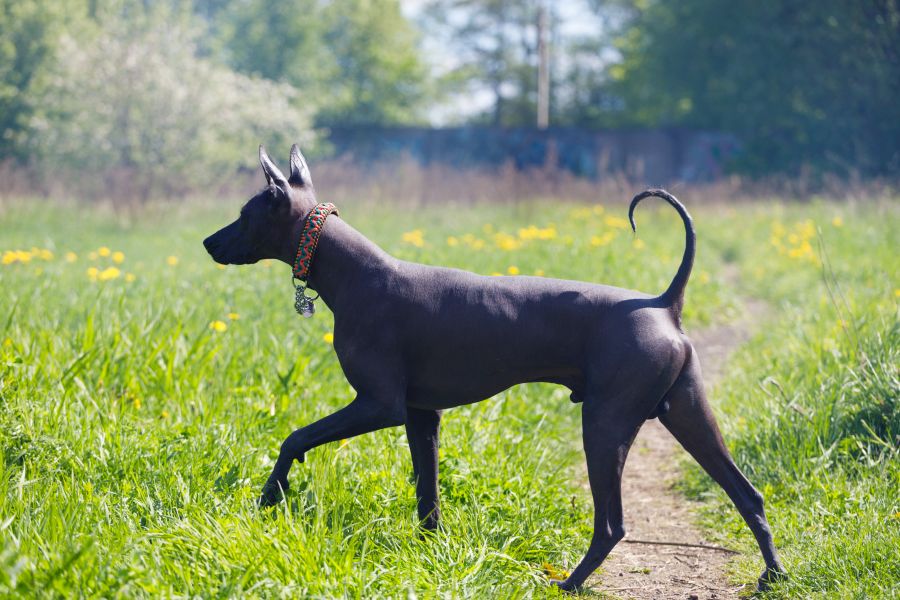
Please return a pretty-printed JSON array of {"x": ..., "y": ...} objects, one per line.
[
  {"x": 378, "y": 76},
  {"x": 281, "y": 41},
  {"x": 356, "y": 61},
  {"x": 29, "y": 31},
  {"x": 168, "y": 96},
  {"x": 811, "y": 406},
  {"x": 137, "y": 98},
  {"x": 494, "y": 46},
  {"x": 810, "y": 84},
  {"x": 136, "y": 436}
]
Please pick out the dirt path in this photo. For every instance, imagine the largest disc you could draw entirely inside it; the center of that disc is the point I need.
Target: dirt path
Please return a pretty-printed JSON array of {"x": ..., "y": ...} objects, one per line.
[{"x": 656, "y": 512}]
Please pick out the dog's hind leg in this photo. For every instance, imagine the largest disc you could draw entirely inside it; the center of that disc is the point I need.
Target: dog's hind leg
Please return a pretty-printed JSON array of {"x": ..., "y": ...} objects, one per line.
[
  {"x": 607, "y": 439},
  {"x": 691, "y": 421},
  {"x": 422, "y": 431}
]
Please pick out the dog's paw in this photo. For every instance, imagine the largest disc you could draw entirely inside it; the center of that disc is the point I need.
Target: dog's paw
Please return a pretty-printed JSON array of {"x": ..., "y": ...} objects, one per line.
[
  {"x": 564, "y": 585},
  {"x": 272, "y": 494},
  {"x": 768, "y": 577}
]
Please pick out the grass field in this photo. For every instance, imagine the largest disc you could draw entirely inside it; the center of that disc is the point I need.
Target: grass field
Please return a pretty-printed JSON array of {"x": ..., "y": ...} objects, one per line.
[{"x": 144, "y": 393}]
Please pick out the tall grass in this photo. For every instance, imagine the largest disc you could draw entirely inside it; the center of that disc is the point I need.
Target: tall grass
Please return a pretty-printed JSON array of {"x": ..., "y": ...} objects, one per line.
[
  {"x": 142, "y": 404},
  {"x": 811, "y": 406}
]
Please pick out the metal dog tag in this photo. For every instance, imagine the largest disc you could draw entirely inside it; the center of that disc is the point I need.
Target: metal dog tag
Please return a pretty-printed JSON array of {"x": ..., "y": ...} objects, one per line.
[{"x": 303, "y": 304}]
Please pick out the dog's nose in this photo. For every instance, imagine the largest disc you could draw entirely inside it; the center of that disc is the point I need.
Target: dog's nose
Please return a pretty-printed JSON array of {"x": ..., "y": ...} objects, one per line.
[{"x": 209, "y": 244}]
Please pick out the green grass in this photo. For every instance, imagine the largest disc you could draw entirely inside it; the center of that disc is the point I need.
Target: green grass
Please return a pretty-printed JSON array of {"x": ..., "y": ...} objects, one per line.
[
  {"x": 136, "y": 436},
  {"x": 812, "y": 408}
]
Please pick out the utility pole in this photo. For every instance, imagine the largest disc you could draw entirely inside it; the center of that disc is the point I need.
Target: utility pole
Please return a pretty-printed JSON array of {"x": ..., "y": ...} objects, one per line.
[{"x": 543, "y": 99}]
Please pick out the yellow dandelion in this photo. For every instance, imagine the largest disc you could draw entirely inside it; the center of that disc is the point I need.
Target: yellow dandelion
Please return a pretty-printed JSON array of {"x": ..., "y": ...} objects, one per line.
[
  {"x": 118, "y": 257},
  {"x": 539, "y": 272},
  {"x": 602, "y": 240},
  {"x": 7, "y": 342},
  {"x": 108, "y": 274},
  {"x": 504, "y": 241},
  {"x": 22, "y": 256},
  {"x": 553, "y": 572},
  {"x": 71, "y": 257},
  {"x": 220, "y": 267},
  {"x": 164, "y": 414},
  {"x": 513, "y": 270},
  {"x": 343, "y": 442},
  {"x": 104, "y": 251},
  {"x": 9, "y": 257},
  {"x": 703, "y": 277},
  {"x": 496, "y": 274},
  {"x": 137, "y": 403},
  {"x": 233, "y": 316},
  {"x": 538, "y": 233},
  {"x": 638, "y": 243},
  {"x": 547, "y": 233},
  {"x": 616, "y": 222},
  {"x": 129, "y": 277},
  {"x": 452, "y": 241},
  {"x": 528, "y": 233},
  {"x": 172, "y": 261},
  {"x": 806, "y": 229},
  {"x": 837, "y": 221},
  {"x": 897, "y": 293},
  {"x": 477, "y": 244},
  {"x": 416, "y": 237},
  {"x": 92, "y": 273},
  {"x": 328, "y": 338},
  {"x": 219, "y": 326},
  {"x": 45, "y": 254}
]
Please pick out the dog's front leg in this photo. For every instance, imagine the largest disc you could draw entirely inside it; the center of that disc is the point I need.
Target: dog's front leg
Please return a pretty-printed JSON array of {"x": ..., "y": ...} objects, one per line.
[
  {"x": 360, "y": 416},
  {"x": 422, "y": 431}
]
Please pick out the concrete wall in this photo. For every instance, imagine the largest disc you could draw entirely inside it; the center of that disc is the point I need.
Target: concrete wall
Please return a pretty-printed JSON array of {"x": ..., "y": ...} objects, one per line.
[{"x": 650, "y": 156}]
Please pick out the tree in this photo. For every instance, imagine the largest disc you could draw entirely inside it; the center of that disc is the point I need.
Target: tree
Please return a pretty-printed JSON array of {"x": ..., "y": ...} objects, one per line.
[
  {"x": 281, "y": 41},
  {"x": 137, "y": 99},
  {"x": 495, "y": 47},
  {"x": 29, "y": 30},
  {"x": 377, "y": 75},
  {"x": 356, "y": 59},
  {"x": 800, "y": 83}
]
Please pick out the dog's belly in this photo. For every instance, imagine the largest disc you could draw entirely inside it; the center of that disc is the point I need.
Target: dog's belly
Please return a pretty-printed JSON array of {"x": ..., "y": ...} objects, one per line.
[{"x": 462, "y": 385}]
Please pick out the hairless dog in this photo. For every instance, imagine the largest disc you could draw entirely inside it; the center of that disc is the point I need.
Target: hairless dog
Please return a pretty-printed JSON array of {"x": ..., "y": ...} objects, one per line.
[{"x": 413, "y": 340}]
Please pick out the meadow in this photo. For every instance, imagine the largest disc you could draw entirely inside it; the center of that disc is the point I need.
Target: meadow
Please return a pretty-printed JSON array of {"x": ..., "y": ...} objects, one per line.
[{"x": 144, "y": 392}]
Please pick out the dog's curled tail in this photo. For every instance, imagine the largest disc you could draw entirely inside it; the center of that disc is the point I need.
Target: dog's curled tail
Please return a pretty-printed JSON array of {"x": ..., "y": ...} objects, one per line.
[{"x": 674, "y": 295}]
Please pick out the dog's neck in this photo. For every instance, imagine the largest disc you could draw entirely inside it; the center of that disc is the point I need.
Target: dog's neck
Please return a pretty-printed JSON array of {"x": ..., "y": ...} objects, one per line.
[{"x": 342, "y": 256}]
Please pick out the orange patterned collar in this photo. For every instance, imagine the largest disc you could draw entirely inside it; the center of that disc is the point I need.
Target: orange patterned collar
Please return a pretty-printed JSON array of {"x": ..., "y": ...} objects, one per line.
[
  {"x": 309, "y": 238},
  {"x": 306, "y": 251}
]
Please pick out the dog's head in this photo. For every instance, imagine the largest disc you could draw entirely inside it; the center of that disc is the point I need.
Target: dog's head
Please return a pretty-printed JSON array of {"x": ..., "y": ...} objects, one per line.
[{"x": 264, "y": 228}]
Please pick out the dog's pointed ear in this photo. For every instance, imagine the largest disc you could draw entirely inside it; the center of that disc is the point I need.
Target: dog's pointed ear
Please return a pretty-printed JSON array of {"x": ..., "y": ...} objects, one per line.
[
  {"x": 299, "y": 170},
  {"x": 270, "y": 169}
]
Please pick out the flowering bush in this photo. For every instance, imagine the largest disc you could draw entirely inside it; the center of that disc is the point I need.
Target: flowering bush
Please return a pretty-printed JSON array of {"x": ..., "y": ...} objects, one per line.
[{"x": 138, "y": 99}]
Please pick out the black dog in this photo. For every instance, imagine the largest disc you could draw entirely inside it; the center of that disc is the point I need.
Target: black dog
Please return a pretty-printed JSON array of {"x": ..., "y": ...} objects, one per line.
[{"x": 413, "y": 340}]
